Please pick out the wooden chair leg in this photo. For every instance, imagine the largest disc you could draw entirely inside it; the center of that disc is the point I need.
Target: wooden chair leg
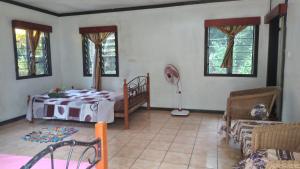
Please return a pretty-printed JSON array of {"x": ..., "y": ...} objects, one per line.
[
  {"x": 126, "y": 122},
  {"x": 228, "y": 129},
  {"x": 148, "y": 104}
]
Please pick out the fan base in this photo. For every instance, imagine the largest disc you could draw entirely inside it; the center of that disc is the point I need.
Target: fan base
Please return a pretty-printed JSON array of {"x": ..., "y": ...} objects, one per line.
[{"x": 180, "y": 112}]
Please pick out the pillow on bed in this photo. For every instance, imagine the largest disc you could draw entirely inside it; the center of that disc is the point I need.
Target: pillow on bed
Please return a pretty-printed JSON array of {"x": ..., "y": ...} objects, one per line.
[{"x": 57, "y": 95}]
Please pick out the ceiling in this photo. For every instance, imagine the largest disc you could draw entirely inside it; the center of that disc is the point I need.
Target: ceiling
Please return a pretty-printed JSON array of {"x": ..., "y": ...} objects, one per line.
[{"x": 69, "y": 6}]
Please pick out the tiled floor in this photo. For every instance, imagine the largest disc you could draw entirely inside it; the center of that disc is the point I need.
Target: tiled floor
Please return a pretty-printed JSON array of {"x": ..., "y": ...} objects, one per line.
[{"x": 155, "y": 140}]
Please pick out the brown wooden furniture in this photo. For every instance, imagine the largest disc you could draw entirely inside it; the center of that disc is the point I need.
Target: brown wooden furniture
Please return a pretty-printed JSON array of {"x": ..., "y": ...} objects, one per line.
[
  {"x": 240, "y": 103},
  {"x": 136, "y": 93}
]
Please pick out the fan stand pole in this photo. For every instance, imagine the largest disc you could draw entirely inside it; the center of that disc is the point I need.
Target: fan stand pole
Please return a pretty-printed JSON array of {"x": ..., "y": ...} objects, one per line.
[
  {"x": 180, "y": 111},
  {"x": 179, "y": 101}
]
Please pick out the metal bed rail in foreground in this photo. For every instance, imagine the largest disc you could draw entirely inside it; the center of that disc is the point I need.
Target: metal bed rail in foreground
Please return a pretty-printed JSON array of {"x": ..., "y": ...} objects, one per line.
[{"x": 97, "y": 158}]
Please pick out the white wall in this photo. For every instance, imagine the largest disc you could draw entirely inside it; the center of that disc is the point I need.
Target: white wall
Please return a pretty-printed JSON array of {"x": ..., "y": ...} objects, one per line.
[
  {"x": 150, "y": 39},
  {"x": 274, "y": 3},
  {"x": 291, "y": 102},
  {"x": 13, "y": 93}
]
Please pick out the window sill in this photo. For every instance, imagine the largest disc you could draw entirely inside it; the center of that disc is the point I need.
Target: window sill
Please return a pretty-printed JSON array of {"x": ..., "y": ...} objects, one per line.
[
  {"x": 32, "y": 77},
  {"x": 231, "y": 75},
  {"x": 114, "y": 75}
]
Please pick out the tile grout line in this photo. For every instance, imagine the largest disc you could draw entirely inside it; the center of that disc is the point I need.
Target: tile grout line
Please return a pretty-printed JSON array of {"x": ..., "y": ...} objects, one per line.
[
  {"x": 147, "y": 145},
  {"x": 122, "y": 145},
  {"x": 195, "y": 142},
  {"x": 170, "y": 145}
]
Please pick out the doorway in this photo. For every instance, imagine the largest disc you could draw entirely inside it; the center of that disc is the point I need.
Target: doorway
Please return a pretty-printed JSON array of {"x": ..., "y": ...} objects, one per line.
[{"x": 276, "y": 58}]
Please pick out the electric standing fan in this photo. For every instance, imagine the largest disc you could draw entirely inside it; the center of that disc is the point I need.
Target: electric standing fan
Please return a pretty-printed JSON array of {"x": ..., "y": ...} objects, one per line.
[{"x": 172, "y": 76}]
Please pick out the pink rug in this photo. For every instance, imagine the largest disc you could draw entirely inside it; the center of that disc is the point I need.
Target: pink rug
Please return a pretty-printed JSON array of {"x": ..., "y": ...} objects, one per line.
[{"x": 16, "y": 162}]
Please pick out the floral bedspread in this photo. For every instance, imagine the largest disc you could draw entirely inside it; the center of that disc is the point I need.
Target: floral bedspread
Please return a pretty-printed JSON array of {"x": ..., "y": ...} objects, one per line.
[{"x": 78, "y": 105}]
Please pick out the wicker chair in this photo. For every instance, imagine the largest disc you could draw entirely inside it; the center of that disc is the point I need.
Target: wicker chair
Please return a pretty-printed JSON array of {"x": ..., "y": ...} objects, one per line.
[
  {"x": 240, "y": 103},
  {"x": 283, "y": 136}
]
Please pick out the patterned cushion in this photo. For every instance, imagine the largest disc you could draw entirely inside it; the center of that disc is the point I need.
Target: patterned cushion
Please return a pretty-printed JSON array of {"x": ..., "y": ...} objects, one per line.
[
  {"x": 273, "y": 154},
  {"x": 241, "y": 133},
  {"x": 259, "y": 160}
]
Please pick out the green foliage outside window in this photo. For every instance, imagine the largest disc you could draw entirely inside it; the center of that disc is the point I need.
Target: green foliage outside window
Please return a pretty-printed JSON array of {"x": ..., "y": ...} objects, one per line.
[
  {"x": 24, "y": 54},
  {"x": 243, "y": 52},
  {"x": 109, "y": 56}
]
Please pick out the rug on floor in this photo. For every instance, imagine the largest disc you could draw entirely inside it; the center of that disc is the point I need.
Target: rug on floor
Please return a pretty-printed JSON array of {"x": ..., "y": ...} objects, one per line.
[{"x": 50, "y": 134}]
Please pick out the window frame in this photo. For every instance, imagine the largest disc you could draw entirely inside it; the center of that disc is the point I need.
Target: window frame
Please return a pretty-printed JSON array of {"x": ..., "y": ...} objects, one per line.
[
  {"x": 255, "y": 49},
  {"x": 16, "y": 24},
  {"x": 84, "y": 54}
]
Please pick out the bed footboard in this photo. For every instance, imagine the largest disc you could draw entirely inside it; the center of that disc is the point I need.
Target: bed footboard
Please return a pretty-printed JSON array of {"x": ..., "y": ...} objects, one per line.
[
  {"x": 136, "y": 93},
  {"x": 98, "y": 147}
]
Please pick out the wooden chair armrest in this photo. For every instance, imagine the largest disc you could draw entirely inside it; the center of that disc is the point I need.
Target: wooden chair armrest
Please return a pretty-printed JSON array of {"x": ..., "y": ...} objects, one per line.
[
  {"x": 275, "y": 89},
  {"x": 283, "y": 164},
  {"x": 281, "y": 136},
  {"x": 251, "y": 96}
]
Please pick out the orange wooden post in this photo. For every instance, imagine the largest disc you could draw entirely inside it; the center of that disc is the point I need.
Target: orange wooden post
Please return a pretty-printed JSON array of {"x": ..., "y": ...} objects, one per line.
[
  {"x": 148, "y": 91},
  {"x": 100, "y": 132},
  {"x": 126, "y": 107}
]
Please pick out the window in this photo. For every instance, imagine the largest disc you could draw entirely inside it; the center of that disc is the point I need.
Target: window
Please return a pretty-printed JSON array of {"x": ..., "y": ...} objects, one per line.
[
  {"x": 24, "y": 57},
  {"x": 107, "y": 51},
  {"x": 244, "y": 53}
]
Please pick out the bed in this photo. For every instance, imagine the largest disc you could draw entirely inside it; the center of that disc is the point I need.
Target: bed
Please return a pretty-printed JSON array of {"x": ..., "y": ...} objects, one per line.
[{"x": 91, "y": 105}]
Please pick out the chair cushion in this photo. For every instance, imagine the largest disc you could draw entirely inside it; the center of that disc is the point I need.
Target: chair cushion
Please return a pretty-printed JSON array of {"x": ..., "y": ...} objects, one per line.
[
  {"x": 259, "y": 159},
  {"x": 241, "y": 132}
]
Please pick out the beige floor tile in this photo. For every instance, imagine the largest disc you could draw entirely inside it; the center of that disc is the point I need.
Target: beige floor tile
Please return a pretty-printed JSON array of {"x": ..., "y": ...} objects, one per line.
[
  {"x": 210, "y": 153},
  {"x": 138, "y": 147},
  {"x": 192, "y": 127},
  {"x": 144, "y": 164},
  {"x": 120, "y": 163},
  {"x": 192, "y": 120},
  {"x": 172, "y": 126},
  {"x": 172, "y": 166},
  {"x": 168, "y": 131},
  {"x": 130, "y": 152},
  {"x": 206, "y": 145},
  {"x": 144, "y": 136},
  {"x": 187, "y": 133},
  {"x": 153, "y": 155},
  {"x": 193, "y": 167},
  {"x": 159, "y": 145},
  {"x": 138, "y": 143},
  {"x": 165, "y": 138},
  {"x": 177, "y": 158},
  {"x": 181, "y": 148},
  {"x": 202, "y": 161},
  {"x": 184, "y": 140}
]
